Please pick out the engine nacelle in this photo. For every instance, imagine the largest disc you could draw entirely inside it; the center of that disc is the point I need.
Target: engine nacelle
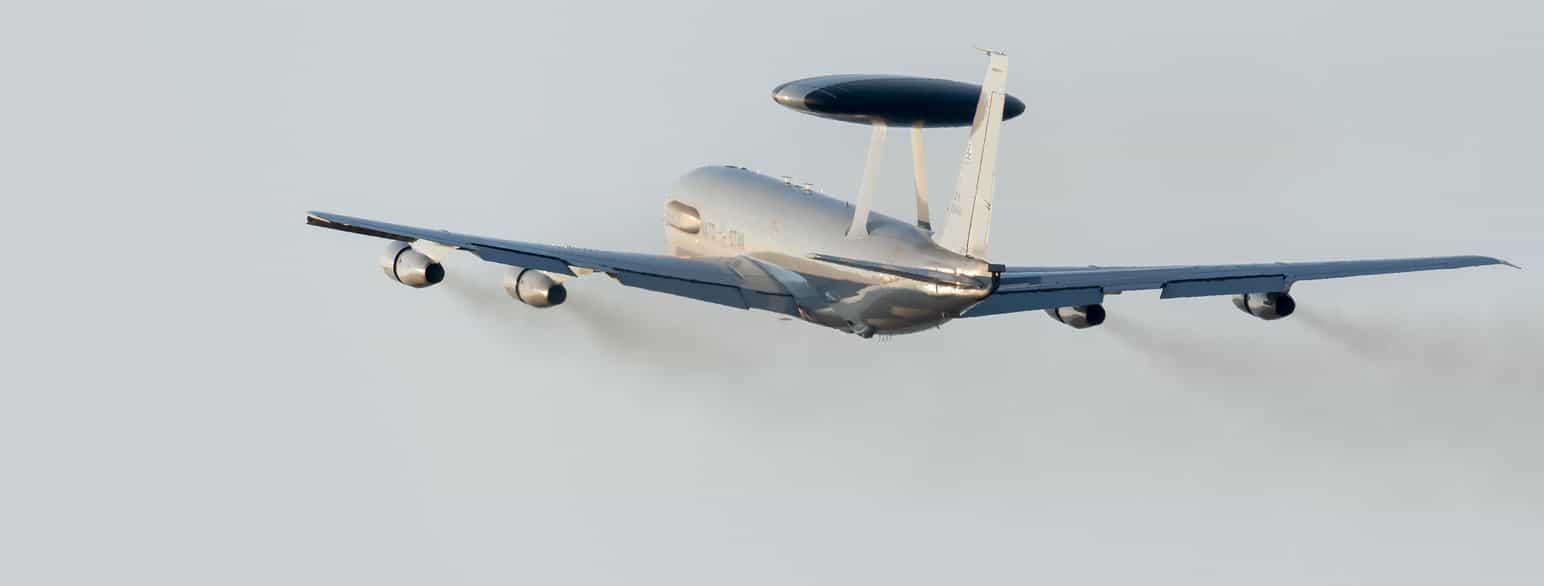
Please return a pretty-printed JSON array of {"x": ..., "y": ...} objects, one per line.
[
  {"x": 1079, "y": 316},
  {"x": 534, "y": 288},
  {"x": 1266, "y": 306},
  {"x": 410, "y": 267}
]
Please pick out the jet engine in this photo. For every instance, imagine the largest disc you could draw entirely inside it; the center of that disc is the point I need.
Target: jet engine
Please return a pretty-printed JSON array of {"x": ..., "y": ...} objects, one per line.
[
  {"x": 1266, "y": 306},
  {"x": 534, "y": 288},
  {"x": 1079, "y": 316},
  {"x": 410, "y": 267}
]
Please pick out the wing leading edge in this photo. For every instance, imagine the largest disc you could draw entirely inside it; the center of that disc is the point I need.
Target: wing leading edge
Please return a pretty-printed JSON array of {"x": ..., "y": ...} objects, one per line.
[
  {"x": 733, "y": 282},
  {"x": 1031, "y": 288}
]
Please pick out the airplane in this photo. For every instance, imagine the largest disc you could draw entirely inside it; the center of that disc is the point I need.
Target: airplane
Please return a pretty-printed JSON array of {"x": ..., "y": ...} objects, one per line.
[{"x": 745, "y": 240}]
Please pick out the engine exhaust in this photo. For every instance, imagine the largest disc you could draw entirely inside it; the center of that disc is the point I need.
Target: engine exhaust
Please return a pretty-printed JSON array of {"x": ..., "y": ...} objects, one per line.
[
  {"x": 1266, "y": 306},
  {"x": 1079, "y": 316},
  {"x": 534, "y": 288}
]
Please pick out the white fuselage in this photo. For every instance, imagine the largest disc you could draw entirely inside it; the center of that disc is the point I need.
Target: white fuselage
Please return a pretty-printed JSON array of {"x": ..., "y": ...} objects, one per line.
[{"x": 740, "y": 213}]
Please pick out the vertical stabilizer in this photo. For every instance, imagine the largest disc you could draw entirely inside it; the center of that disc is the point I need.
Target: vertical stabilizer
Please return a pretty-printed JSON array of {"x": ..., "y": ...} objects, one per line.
[{"x": 968, "y": 220}]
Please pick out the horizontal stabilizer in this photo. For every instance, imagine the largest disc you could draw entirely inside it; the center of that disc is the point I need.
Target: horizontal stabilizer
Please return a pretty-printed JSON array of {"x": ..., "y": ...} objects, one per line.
[{"x": 913, "y": 273}]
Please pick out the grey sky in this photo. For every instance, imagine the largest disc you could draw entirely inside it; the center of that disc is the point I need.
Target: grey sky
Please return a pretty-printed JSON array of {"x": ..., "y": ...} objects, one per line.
[{"x": 203, "y": 390}]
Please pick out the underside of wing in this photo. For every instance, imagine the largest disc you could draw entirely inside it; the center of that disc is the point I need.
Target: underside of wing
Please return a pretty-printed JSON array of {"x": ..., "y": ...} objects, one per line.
[
  {"x": 732, "y": 282},
  {"x": 1031, "y": 288}
]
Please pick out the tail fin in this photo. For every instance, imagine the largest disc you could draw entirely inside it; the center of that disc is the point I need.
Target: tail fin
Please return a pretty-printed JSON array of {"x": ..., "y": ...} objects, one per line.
[{"x": 968, "y": 220}]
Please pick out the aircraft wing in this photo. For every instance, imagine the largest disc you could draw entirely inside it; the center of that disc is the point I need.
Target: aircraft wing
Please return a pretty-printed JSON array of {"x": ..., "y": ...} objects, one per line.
[
  {"x": 735, "y": 282},
  {"x": 1031, "y": 288}
]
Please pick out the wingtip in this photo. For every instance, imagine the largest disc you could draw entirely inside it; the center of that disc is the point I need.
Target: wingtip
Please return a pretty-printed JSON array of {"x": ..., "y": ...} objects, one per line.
[
  {"x": 1502, "y": 261},
  {"x": 320, "y": 218}
]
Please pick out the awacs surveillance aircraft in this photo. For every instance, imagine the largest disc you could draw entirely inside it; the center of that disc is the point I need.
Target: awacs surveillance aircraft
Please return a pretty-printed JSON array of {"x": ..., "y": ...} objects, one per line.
[{"x": 749, "y": 241}]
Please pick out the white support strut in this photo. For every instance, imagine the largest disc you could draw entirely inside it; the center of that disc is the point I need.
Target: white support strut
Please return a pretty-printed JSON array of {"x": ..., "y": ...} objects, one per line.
[
  {"x": 919, "y": 179},
  {"x": 859, "y": 227}
]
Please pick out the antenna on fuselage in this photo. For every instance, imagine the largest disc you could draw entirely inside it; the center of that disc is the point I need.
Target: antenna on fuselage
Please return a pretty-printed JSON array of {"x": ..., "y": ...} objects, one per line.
[{"x": 882, "y": 101}]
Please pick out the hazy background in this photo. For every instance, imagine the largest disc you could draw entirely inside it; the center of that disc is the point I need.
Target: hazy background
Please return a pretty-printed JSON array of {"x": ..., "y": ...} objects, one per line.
[{"x": 200, "y": 389}]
